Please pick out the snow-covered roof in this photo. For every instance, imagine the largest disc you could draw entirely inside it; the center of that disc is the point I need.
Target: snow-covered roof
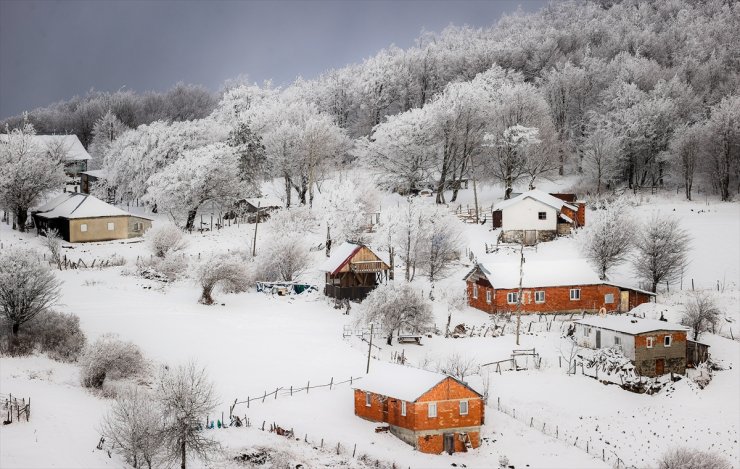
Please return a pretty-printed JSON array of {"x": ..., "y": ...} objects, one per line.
[
  {"x": 630, "y": 324},
  {"x": 70, "y": 143},
  {"x": 339, "y": 256},
  {"x": 265, "y": 201},
  {"x": 538, "y": 195},
  {"x": 76, "y": 205},
  {"x": 96, "y": 173},
  {"x": 398, "y": 381}
]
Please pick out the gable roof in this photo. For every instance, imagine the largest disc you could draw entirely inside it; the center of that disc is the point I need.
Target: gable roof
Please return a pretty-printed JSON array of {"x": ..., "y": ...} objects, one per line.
[
  {"x": 75, "y": 151},
  {"x": 341, "y": 255},
  {"x": 537, "y": 195},
  {"x": 630, "y": 324},
  {"x": 73, "y": 205},
  {"x": 401, "y": 382},
  {"x": 264, "y": 202},
  {"x": 553, "y": 273}
]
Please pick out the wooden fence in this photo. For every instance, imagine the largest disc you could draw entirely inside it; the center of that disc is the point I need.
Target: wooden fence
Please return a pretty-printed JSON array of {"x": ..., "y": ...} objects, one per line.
[{"x": 14, "y": 408}]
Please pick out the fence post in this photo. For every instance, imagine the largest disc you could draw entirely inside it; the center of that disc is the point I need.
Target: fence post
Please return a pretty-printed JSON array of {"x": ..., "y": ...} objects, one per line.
[
  {"x": 603, "y": 454},
  {"x": 322, "y": 443},
  {"x": 354, "y": 450},
  {"x": 498, "y": 402},
  {"x": 308, "y": 386},
  {"x": 291, "y": 390},
  {"x": 276, "y": 391},
  {"x": 330, "y": 385}
]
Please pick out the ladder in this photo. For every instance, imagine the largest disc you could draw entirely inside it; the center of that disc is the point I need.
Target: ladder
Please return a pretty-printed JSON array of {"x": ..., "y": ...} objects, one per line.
[{"x": 466, "y": 441}]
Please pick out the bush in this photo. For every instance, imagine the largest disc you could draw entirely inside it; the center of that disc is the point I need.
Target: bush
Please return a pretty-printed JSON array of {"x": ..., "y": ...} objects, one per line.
[
  {"x": 225, "y": 270},
  {"x": 283, "y": 259},
  {"x": 56, "y": 334},
  {"x": 165, "y": 238},
  {"x": 685, "y": 458},
  {"x": 109, "y": 358},
  {"x": 166, "y": 269}
]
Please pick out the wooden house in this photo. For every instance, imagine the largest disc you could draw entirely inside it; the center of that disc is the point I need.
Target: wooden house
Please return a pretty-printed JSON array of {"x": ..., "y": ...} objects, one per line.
[
  {"x": 537, "y": 216},
  {"x": 564, "y": 286},
  {"x": 352, "y": 271},
  {"x": 430, "y": 411},
  {"x": 81, "y": 217},
  {"x": 655, "y": 347}
]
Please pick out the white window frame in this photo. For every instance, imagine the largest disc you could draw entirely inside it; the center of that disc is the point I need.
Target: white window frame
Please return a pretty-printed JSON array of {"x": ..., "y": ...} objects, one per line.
[
  {"x": 514, "y": 295},
  {"x": 617, "y": 340},
  {"x": 537, "y": 295},
  {"x": 575, "y": 294},
  {"x": 586, "y": 331},
  {"x": 667, "y": 340},
  {"x": 432, "y": 410},
  {"x": 368, "y": 399},
  {"x": 475, "y": 291},
  {"x": 111, "y": 226},
  {"x": 403, "y": 408},
  {"x": 542, "y": 213},
  {"x": 650, "y": 342},
  {"x": 607, "y": 299},
  {"x": 489, "y": 296},
  {"x": 83, "y": 227},
  {"x": 466, "y": 408}
]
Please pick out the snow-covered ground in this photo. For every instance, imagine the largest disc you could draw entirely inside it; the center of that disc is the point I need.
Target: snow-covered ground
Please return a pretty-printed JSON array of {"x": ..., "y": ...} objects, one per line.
[{"x": 253, "y": 343}]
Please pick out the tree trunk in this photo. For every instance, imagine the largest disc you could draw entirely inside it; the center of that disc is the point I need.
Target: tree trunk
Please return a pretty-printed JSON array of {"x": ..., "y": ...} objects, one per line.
[
  {"x": 206, "y": 297},
  {"x": 389, "y": 340},
  {"x": 16, "y": 327},
  {"x": 182, "y": 453},
  {"x": 22, "y": 216},
  {"x": 191, "y": 220},
  {"x": 288, "y": 190}
]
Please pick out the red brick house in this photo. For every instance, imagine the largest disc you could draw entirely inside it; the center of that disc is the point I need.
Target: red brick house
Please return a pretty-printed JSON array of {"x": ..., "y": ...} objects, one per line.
[
  {"x": 430, "y": 411},
  {"x": 566, "y": 286}
]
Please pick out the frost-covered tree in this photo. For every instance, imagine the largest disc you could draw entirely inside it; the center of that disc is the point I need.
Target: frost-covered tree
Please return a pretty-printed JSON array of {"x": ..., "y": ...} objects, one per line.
[
  {"x": 661, "y": 250},
  {"x": 250, "y": 152},
  {"x": 105, "y": 131},
  {"x": 723, "y": 137},
  {"x": 600, "y": 154},
  {"x": 404, "y": 226},
  {"x": 225, "y": 270},
  {"x": 110, "y": 358},
  {"x": 397, "y": 306},
  {"x": 283, "y": 258},
  {"x": 442, "y": 243},
  {"x": 163, "y": 238},
  {"x": 27, "y": 288},
  {"x": 701, "y": 313},
  {"x": 686, "y": 458},
  {"x": 346, "y": 205},
  {"x": 686, "y": 151},
  {"x": 187, "y": 397},
  {"x": 27, "y": 173},
  {"x": 53, "y": 243},
  {"x": 203, "y": 174},
  {"x": 607, "y": 239}
]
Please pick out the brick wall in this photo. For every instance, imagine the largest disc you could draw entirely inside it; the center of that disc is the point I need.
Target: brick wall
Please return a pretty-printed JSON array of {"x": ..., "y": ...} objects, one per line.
[
  {"x": 374, "y": 412},
  {"x": 447, "y": 395},
  {"x": 557, "y": 299},
  {"x": 434, "y": 444},
  {"x": 480, "y": 302},
  {"x": 674, "y": 356}
]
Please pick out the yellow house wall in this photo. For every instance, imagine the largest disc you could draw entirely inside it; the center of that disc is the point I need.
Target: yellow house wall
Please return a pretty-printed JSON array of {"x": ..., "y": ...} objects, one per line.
[{"x": 97, "y": 229}]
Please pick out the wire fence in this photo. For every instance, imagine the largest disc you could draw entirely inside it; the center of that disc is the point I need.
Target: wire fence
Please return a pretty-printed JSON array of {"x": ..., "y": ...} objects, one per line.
[{"x": 14, "y": 409}]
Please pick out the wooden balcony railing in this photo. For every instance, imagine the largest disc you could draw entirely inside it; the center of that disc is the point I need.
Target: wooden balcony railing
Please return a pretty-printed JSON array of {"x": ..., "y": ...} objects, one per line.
[{"x": 366, "y": 266}]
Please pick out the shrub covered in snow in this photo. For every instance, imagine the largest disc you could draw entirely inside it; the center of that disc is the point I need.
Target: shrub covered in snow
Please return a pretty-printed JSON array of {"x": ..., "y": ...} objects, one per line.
[
  {"x": 397, "y": 306},
  {"x": 167, "y": 269},
  {"x": 282, "y": 258},
  {"x": 225, "y": 270},
  {"x": 164, "y": 238},
  {"x": 58, "y": 335},
  {"x": 110, "y": 358},
  {"x": 686, "y": 458}
]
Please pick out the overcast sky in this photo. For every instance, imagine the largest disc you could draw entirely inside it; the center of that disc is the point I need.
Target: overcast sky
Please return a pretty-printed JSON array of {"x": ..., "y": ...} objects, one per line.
[{"x": 52, "y": 50}]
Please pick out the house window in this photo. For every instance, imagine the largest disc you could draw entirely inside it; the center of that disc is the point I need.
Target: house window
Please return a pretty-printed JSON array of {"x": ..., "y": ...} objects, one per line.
[
  {"x": 111, "y": 226},
  {"x": 475, "y": 290},
  {"x": 403, "y": 408},
  {"x": 617, "y": 340},
  {"x": 650, "y": 342},
  {"x": 137, "y": 226},
  {"x": 432, "y": 410},
  {"x": 512, "y": 297},
  {"x": 586, "y": 331},
  {"x": 575, "y": 294},
  {"x": 539, "y": 296},
  {"x": 488, "y": 296},
  {"x": 542, "y": 215},
  {"x": 609, "y": 298},
  {"x": 83, "y": 227},
  {"x": 463, "y": 407},
  {"x": 368, "y": 399},
  {"x": 667, "y": 341}
]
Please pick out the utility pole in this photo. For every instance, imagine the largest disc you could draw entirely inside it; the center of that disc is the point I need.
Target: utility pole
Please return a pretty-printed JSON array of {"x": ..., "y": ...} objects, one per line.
[
  {"x": 519, "y": 295},
  {"x": 369, "y": 348},
  {"x": 254, "y": 243}
]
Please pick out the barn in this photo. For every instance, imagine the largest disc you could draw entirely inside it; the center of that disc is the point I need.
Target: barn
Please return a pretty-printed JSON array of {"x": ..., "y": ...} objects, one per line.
[
  {"x": 430, "y": 411},
  {"x": 655, "y": 347},
  {"x": 352, "y": 271},
  {"x": 537, "y": 216},
  {"x": 562, "y": 286},
  {"x": 81, "y": 217}
]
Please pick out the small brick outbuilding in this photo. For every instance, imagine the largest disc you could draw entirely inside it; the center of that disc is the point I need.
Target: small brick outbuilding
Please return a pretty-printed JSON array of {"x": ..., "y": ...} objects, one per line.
[
  {"x": 430, "y": 411},
  {"x": 655, "y": 347},
  {"x": 563, "y": 286}
]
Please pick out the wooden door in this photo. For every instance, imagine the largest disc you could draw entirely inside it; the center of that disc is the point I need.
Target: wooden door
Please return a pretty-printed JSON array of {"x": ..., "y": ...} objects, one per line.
[
  {"x": 659, "y": 366},
  {"x": 598, "y": 338},
  {"x": 449, "y": 443},
  {"x": 530, "y": 237},
  {"x": 497, "y": 218},
  {"x": 624, "y": 301}
]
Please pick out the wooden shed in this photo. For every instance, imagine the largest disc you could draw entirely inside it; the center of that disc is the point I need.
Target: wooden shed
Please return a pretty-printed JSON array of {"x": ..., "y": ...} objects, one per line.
[
  {"x": 352, "y": 271},
  {"x": 432, "y": 412}
]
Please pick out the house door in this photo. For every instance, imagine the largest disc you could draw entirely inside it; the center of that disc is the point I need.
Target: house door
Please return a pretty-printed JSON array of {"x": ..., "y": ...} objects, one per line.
[
  {"x": 598, "y": 338},
  {"x": 659, "y": 366},
  {"x": 385, "y": 410},
  {"x": 530, "y": 237},
  {"x": 449, "y": 443},
  {"x": 624, "y": 301}
]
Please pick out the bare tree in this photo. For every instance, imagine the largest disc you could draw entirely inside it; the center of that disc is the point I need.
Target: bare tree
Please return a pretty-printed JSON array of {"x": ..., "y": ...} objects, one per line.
[
  {"x": 53, "y": 243},
  {"x": 397, "y": 306},
  {"x": 187, "y": 397},
  {"x": 701, "y": 314},
  {"x": 570, "y": 354},
  {"x": 110, "y": 358},
  {"x": 607, "y": 239},
  {"x": 135, "y": 426},
  {"x": 685, "y": 458},
  {"x": 27, "y": 288},
  {"x": 662, "y": 248},
  {"x": 164, "y": 238},
  {"x": 458, "y": 366},
  {"x": 224, "y": 270},
  {"x": 442, "y": 243}
]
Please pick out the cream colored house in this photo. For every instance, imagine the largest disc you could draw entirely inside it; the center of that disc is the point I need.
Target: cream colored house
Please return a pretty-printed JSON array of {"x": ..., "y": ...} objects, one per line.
[{"x": 82, "y": 217}]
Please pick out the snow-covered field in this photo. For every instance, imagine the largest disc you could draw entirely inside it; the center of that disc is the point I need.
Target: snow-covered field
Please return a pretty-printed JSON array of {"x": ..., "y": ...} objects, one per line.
[{"x": 253, "y": 343}]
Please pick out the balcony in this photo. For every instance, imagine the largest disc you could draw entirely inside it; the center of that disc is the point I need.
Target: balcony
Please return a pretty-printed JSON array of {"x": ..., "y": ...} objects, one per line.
[{"x": 362, "y": 267}]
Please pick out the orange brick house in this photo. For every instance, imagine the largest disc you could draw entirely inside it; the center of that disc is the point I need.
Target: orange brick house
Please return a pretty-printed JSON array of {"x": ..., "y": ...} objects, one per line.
[
  {"x": 430, "y": 411},
  {"x": 565, "y": 286}
]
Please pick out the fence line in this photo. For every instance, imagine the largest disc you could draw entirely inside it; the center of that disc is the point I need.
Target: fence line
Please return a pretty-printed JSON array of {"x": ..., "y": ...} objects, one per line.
[{"x": 16, "y": 408}]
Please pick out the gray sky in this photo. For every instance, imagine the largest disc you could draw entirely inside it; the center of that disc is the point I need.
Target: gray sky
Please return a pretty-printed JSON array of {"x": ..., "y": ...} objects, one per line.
[{"x": 52, "y": 50}]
